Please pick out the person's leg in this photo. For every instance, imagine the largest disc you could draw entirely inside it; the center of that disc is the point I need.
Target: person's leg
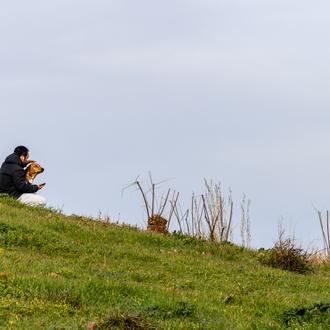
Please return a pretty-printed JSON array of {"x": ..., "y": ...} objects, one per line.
[{"x": 33, "y": 200}]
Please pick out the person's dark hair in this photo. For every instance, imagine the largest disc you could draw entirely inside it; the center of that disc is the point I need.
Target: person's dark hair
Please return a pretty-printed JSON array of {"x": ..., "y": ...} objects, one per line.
[{"x": 21, "y": 151}]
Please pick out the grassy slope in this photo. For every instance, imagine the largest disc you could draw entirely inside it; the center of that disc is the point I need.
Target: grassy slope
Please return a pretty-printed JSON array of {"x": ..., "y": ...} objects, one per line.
[{"x": 62, "y": 272}]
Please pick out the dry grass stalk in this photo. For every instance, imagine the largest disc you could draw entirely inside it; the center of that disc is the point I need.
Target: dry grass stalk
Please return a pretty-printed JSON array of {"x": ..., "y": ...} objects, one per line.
[
  {"x": 319, "y": 258},
  {"x": 209, "y": 216},
  {"x": 217, "y": 214},
  {"x": 245, "y": 222},
  {"x": 325, "y": 229},
  {"x": 196, "y": 215}
]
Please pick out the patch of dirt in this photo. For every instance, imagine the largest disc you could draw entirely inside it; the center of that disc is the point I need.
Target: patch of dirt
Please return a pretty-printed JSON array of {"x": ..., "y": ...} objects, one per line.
[
  {"x": 123, "y": 322},
  {"x": 53, "y": 275},
  {"x": 3, "y": 276}
]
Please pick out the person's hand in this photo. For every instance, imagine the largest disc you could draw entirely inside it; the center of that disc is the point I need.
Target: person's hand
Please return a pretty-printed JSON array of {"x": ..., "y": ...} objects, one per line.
[
  {"x": 40, "y": 186},
  {"x": 28, "y": 162}
]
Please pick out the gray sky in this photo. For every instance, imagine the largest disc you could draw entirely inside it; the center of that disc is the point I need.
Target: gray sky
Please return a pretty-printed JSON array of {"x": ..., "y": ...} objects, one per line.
[{"x": 236, "y": 91}]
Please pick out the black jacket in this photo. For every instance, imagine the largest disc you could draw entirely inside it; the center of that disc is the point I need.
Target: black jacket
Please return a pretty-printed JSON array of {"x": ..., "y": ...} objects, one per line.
[{"x": 12, "y": 178}]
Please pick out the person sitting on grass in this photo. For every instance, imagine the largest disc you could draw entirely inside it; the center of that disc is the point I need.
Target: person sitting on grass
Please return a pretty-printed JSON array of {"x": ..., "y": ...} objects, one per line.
[{"x": 13, "y": 179}]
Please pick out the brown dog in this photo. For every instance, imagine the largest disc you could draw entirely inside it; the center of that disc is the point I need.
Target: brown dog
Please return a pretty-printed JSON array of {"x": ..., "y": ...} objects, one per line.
[{"x": 32, "y": 171}]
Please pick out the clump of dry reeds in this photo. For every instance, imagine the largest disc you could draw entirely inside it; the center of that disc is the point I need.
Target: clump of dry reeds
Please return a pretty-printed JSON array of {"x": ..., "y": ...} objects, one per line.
[
  {"x": 209, "y": 216},
  {"x": 319, "y": 258}
]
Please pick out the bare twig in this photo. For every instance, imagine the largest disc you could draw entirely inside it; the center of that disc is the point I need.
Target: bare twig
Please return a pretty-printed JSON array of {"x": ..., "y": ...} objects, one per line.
[
  {"x": 325, "y": 230},
  {"x": 153, "y": 200},
  {"x": 163, "y": 204},
  {"x": 173, "y": 203},
  {"x": 230, "y": 219},
  {"x": 144, "y": 198}
]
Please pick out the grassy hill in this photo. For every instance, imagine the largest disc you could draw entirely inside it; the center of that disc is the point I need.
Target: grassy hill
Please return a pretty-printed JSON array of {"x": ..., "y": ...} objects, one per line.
[{"x": 60, "y": 272}]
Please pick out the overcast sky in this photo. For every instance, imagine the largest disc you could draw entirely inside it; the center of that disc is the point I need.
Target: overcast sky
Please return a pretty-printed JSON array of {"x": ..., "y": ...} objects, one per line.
[{"x": 231, "y": 90}]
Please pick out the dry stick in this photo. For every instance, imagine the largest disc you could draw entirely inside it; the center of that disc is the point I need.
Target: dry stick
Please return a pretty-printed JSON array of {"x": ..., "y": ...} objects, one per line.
[
  {"x": 215, "y": 222},
  {"x": 222, "y": 234},
  {"x": 222, "y": 223},
  {"x": 200, "y": 217},
  {"x": 195, "y": 216},
  {"x": 243, "y": 220},
  {"x": 324, "y": 237},
  {"x": 214, "y": 193},
  {"x": 130, "y": 185},
  {"x": 205, "y": 210},
  {"x": 192, "y": 216},
  {"x": 185, "y": 216},
  {"x": 144, "y": 198},
  {"x": 160, "y": 204},
  {"x": 173, "y": 205},
  {"x": 219, "y": 203},
  {"x": 210, "y": 201},
  {"x": 220, "y": 206},
  {"x": 206, "y": 193},
  {"x": 323, "y": 232},
  {"x": 165, "y": 203},
  {"x": 150, "y": 178},
  {"x": 230, "y": 219},
  {"x": 177, "y": 215},
  {"x": 248, "y": 222},
  {"x": 328, "y": 232},
  {"x": 153, "y": 199},
  {"x": 207, "y": 218}
]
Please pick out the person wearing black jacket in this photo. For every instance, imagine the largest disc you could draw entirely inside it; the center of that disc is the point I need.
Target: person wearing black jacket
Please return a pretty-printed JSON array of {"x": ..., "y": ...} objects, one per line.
[{"x": 13, "y": 181}]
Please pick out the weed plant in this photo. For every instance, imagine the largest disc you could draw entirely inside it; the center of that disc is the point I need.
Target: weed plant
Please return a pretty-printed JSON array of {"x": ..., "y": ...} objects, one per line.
[{"x": 287, "y": 255}]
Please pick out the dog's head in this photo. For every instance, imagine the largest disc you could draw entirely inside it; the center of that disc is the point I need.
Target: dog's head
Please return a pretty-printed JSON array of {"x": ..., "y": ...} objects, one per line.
[{"x": 33, "y": 170}]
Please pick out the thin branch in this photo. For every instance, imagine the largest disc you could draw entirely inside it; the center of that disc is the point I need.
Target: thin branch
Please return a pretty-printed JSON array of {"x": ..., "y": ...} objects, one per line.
[
  {"x": 186, "y": 215},
  {"x": 153, "y": 199},
  {"x": 129, "y": 185},
  {"x": 164, "y": 203},
  {"x": 173, "y": 206},
  {"x": 328, "y": 232},
  {"x": 321, "y": 224},
  {"x": 144, "y": 198},
  {"x": 177, "y": 215},
  {"x": 230, "y": 219}
]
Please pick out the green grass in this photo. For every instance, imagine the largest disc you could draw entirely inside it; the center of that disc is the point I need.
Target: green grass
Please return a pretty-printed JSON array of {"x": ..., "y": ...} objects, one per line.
[{"x": 59, "y": 272}]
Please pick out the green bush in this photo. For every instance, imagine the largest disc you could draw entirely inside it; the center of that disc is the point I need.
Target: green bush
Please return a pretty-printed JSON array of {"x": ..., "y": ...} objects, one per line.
[
  {"x": 302, "y": 315},
  {"x": 287, "y": 256}
]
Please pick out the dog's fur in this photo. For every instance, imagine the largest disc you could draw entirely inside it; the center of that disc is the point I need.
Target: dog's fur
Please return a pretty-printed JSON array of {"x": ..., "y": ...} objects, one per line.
[{"x": 32, "y": 171}]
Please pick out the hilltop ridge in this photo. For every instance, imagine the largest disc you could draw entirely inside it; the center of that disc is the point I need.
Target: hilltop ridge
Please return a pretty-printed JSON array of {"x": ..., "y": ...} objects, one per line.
[{"x": 69, "y": 272}]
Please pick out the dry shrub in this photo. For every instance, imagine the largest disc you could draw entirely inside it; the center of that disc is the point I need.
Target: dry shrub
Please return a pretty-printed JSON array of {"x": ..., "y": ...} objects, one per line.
[
  {"x": 319, "y": 258},
  {"x": 209, "y": 216},
  {"x": 287, "y": 255}
]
